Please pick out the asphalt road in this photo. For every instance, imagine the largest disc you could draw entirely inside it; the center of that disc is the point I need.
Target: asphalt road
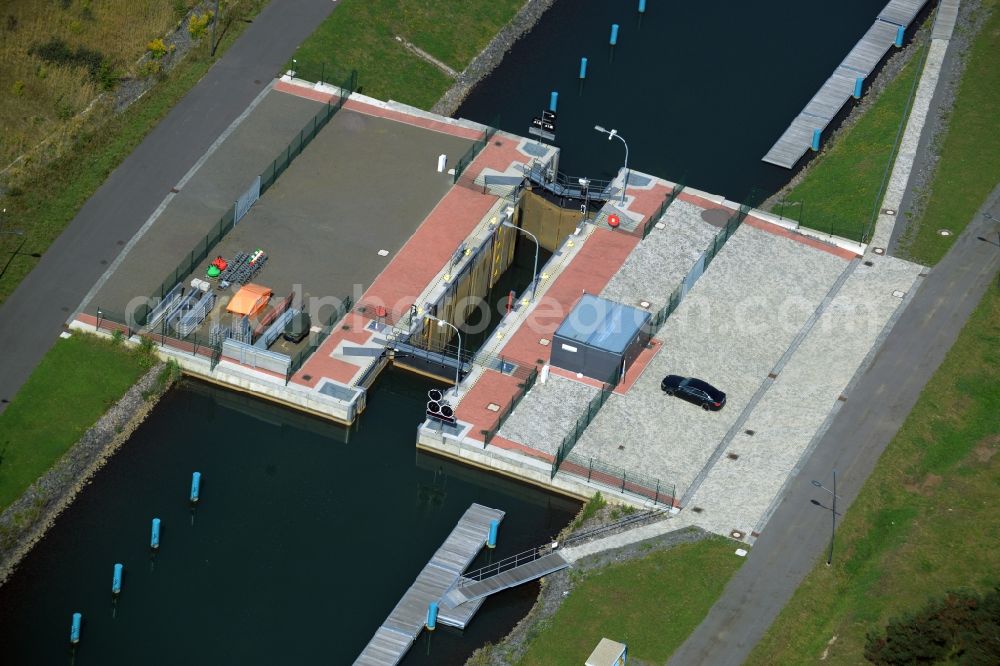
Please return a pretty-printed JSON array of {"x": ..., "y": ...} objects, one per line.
[
  {"x": 33, "y": 316},
  {"x": 798, "y": 533}
]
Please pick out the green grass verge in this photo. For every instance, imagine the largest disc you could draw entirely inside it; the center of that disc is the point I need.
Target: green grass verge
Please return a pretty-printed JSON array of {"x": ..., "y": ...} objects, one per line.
[
  {"x": 970, "y": 151},
  {"x": 45, "y": 205},
  {"x": 650, "y": 604},
  {"x": 360, "y": 34},
  {"x": 76, "y": 382},
  {"x": 920, "y": 525},
  {"x": 841, "y": 186}
]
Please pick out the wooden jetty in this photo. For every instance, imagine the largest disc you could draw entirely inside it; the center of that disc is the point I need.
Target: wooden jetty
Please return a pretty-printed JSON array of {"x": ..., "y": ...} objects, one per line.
[
  {"x": 406, "y": 620},
  {"x": 834, "y": 93}
]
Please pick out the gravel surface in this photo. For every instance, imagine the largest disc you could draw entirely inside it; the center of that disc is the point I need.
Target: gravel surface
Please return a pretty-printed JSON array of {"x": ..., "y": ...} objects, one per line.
[
  {"x": 25, "y": 521},
  {"x": 490, "y": 57}
]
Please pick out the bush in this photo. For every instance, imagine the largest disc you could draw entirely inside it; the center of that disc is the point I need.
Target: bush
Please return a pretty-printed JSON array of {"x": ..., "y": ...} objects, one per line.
[
  {"x": 57, "y": 52},
  {"x": 962, "y": 628},
  {"x": 157, "y": 49},
  {"x": 18, "y": 88},
  {"x": 198, "y": 24}
]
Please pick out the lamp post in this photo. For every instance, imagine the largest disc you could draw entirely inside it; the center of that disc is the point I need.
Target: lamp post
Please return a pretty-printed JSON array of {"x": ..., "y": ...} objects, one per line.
[
  {"x": 17, "y": 251},
  {"x": 458, "y": 368},
  {"x": 833, "y": 513},
  {"x": 613, "y": 134},
  {"x": 534, "y": 274}
]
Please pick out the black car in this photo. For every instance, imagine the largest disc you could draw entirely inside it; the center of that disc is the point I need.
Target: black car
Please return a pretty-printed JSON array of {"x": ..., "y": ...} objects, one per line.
[{"x": 694, "y": 391}]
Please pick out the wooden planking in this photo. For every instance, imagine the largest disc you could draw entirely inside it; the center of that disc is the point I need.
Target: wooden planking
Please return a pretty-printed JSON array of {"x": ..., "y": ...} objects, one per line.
[
  {"x": 836, "y": 90},
  {"x": 871, "y": 48},
  {"x": 944, "y": 22},
  {"x": 460, "y": 616},
  {"x": 406, "y": 621},
  {"x": 901, "y": 12}
]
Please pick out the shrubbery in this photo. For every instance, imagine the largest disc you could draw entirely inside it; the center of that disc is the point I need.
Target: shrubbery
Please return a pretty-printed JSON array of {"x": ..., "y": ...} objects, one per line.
[
  {"x": 57, "y": 52},
  {"x": 198, "y": 24},
  {"x": 962, "y": 628}
]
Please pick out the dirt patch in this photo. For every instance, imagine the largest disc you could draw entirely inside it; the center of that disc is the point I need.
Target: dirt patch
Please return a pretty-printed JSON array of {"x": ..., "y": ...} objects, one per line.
[
  {"x": 925, "y": 487},
  {"x": 986, "y": 449}
]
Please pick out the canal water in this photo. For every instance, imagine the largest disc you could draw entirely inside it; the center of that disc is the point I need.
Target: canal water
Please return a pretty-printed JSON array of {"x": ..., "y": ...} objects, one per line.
[
  {"x": 306, "y": 536},
  {"x": 699, "y": 91}
]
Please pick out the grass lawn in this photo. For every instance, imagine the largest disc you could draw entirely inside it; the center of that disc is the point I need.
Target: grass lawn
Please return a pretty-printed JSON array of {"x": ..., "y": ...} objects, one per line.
[
  {"x": 839, "y": 190},
  {"x": 46, "y": 203},
  {"x": 76, "y": 382},
  {"x": 360, "y": 35},
  {"x": 970, "y": 152},
  {"x": 650, "y": 604},
  {"x": 921, "y": 525}
]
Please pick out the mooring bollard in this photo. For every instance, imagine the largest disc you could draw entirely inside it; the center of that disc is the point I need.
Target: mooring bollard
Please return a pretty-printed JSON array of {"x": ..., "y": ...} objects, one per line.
[
  {"x": 116, "y": 580},
  {"x": 553, "y": 101},
  {"x": 491, "y": 539},
  {"x": 642, "y": 6},
  {"x": 195, "y": 487},
  {"x": 900, "y": 34},
  {"x": 859, "y": 83},
  {"x": 614, "y": 34},
  {"x": 74, "y": 630},
  {"x": 815, "y": 141},
  {"x": 432, "y": 616},
  {"x": 583, "y": 68},
  {"x": 154, "y": 538}
]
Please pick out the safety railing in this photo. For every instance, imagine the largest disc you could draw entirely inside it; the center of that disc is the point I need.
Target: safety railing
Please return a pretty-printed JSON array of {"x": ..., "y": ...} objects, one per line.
[
  {"x": 504, "y": 565},
  {"x": 477, "y": 146},
  {"x": 573, "y": 436},
  {"x": 509, "y": 408},
  {"x": 650, "y": 223},
  {"x": 619, "y": 479}
]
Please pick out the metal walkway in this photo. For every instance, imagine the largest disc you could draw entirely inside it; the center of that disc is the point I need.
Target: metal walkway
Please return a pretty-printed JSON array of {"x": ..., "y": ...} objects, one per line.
[
  {"x": 469, "y": 591},
  {"x": 834, "y": 93},
  {"x": 406, "y": 620}
]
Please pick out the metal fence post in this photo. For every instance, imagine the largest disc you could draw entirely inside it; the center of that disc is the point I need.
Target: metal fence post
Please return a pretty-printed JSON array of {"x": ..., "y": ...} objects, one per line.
[
  {"x": 590, "y": 470},
  {"x": 656, "y": 499},
  {"x": 624, "y": 474}
]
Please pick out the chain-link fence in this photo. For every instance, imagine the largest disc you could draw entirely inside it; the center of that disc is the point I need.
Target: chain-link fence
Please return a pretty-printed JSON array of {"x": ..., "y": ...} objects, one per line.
[
  {"x": 193, "y": 343},
  {"x": 317, "y": 339},
  {"x": 509, "y": 408},
  {"x": 465, "y": 160},
  {"x": 655, "y": 217},
  {"x": 227, "y": 222},
  {"x": 585, "y": 419}
]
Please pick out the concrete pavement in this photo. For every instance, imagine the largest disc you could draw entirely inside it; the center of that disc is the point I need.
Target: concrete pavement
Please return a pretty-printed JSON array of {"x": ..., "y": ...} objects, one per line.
[
  {"x": 33, "y": 316},
  {"x": 798, "y": 532}
]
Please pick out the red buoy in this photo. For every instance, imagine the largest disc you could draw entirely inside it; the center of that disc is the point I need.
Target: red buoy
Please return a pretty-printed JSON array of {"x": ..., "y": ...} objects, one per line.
[{"x": 613, "y": 221}]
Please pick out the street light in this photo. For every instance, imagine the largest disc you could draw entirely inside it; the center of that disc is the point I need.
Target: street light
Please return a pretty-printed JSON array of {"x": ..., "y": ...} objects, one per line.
[
  {"x": 833, "y": 512},
  {"x": 458, "y": 368},
  {"x": 17, "y": 251},
  {"x": 613, "y": 134},
  {"x": 534, "y": 274}
]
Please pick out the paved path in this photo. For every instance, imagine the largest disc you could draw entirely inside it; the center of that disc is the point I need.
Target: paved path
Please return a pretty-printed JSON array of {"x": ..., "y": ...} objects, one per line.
[
  {"x": 33, "y": 316},
  {"x": 798, "y": 532}
]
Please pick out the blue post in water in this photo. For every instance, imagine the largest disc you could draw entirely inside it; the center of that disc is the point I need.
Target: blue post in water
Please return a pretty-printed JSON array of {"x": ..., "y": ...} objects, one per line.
[
  {"x": 432, "y": 616},
  {"x": 491, "y": 540},
  {"x": 116, "y": 580},
  {"x": 900, "y": 33},
  {"x": 195, "y": 486},
  {"x": 154, "y": 538},
  {"x": 815, "y": 141},
  {"x": 553, "y": 101},
  {"x": 859, "y": 83},
  {"x": 583, "y": 68},
  {"x": 642, "y": 6},
  {"x": 74, "y": 630},
  {"x": 614, "y": 34}
]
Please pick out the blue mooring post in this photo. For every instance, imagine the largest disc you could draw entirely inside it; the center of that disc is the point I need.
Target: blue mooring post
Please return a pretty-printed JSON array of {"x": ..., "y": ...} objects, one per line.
[
  {"x": 583, "y": 68},
  {"x": 195, "y": 487},
  {"x": 642, "y": 6},
  {"x": 614, "y": 34},
  {"x": 553, "y": 101},
  {"x": 491, "y": 539},
  {"x": 900, "y": 33},
  {"x": 815, "y": 141},
  {"x": 74, "y": 630},
  {"x": 859, "y": 83},
  {"x": 116, "y": 580},
  {"x": 432, "y": 616},
  {"x": 154, "y": 538}
]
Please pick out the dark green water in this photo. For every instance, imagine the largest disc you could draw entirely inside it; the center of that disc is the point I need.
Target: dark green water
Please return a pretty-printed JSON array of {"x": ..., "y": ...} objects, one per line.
[
  {"x": 306, "y": 537},
  {"x": 700, "y": 91}
]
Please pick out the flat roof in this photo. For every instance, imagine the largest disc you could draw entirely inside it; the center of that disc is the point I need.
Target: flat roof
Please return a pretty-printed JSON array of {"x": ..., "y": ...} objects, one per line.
[{"x": 602, "y": 324}]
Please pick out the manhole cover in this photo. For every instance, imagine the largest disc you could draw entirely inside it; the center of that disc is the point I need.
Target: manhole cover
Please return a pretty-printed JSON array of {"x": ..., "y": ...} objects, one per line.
[
  {"x": 869, "y": 263},
  {"x": 307, "y": 377},
  {"x": 736, "y": 534},
  {"x": 715, "y": 217}
]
